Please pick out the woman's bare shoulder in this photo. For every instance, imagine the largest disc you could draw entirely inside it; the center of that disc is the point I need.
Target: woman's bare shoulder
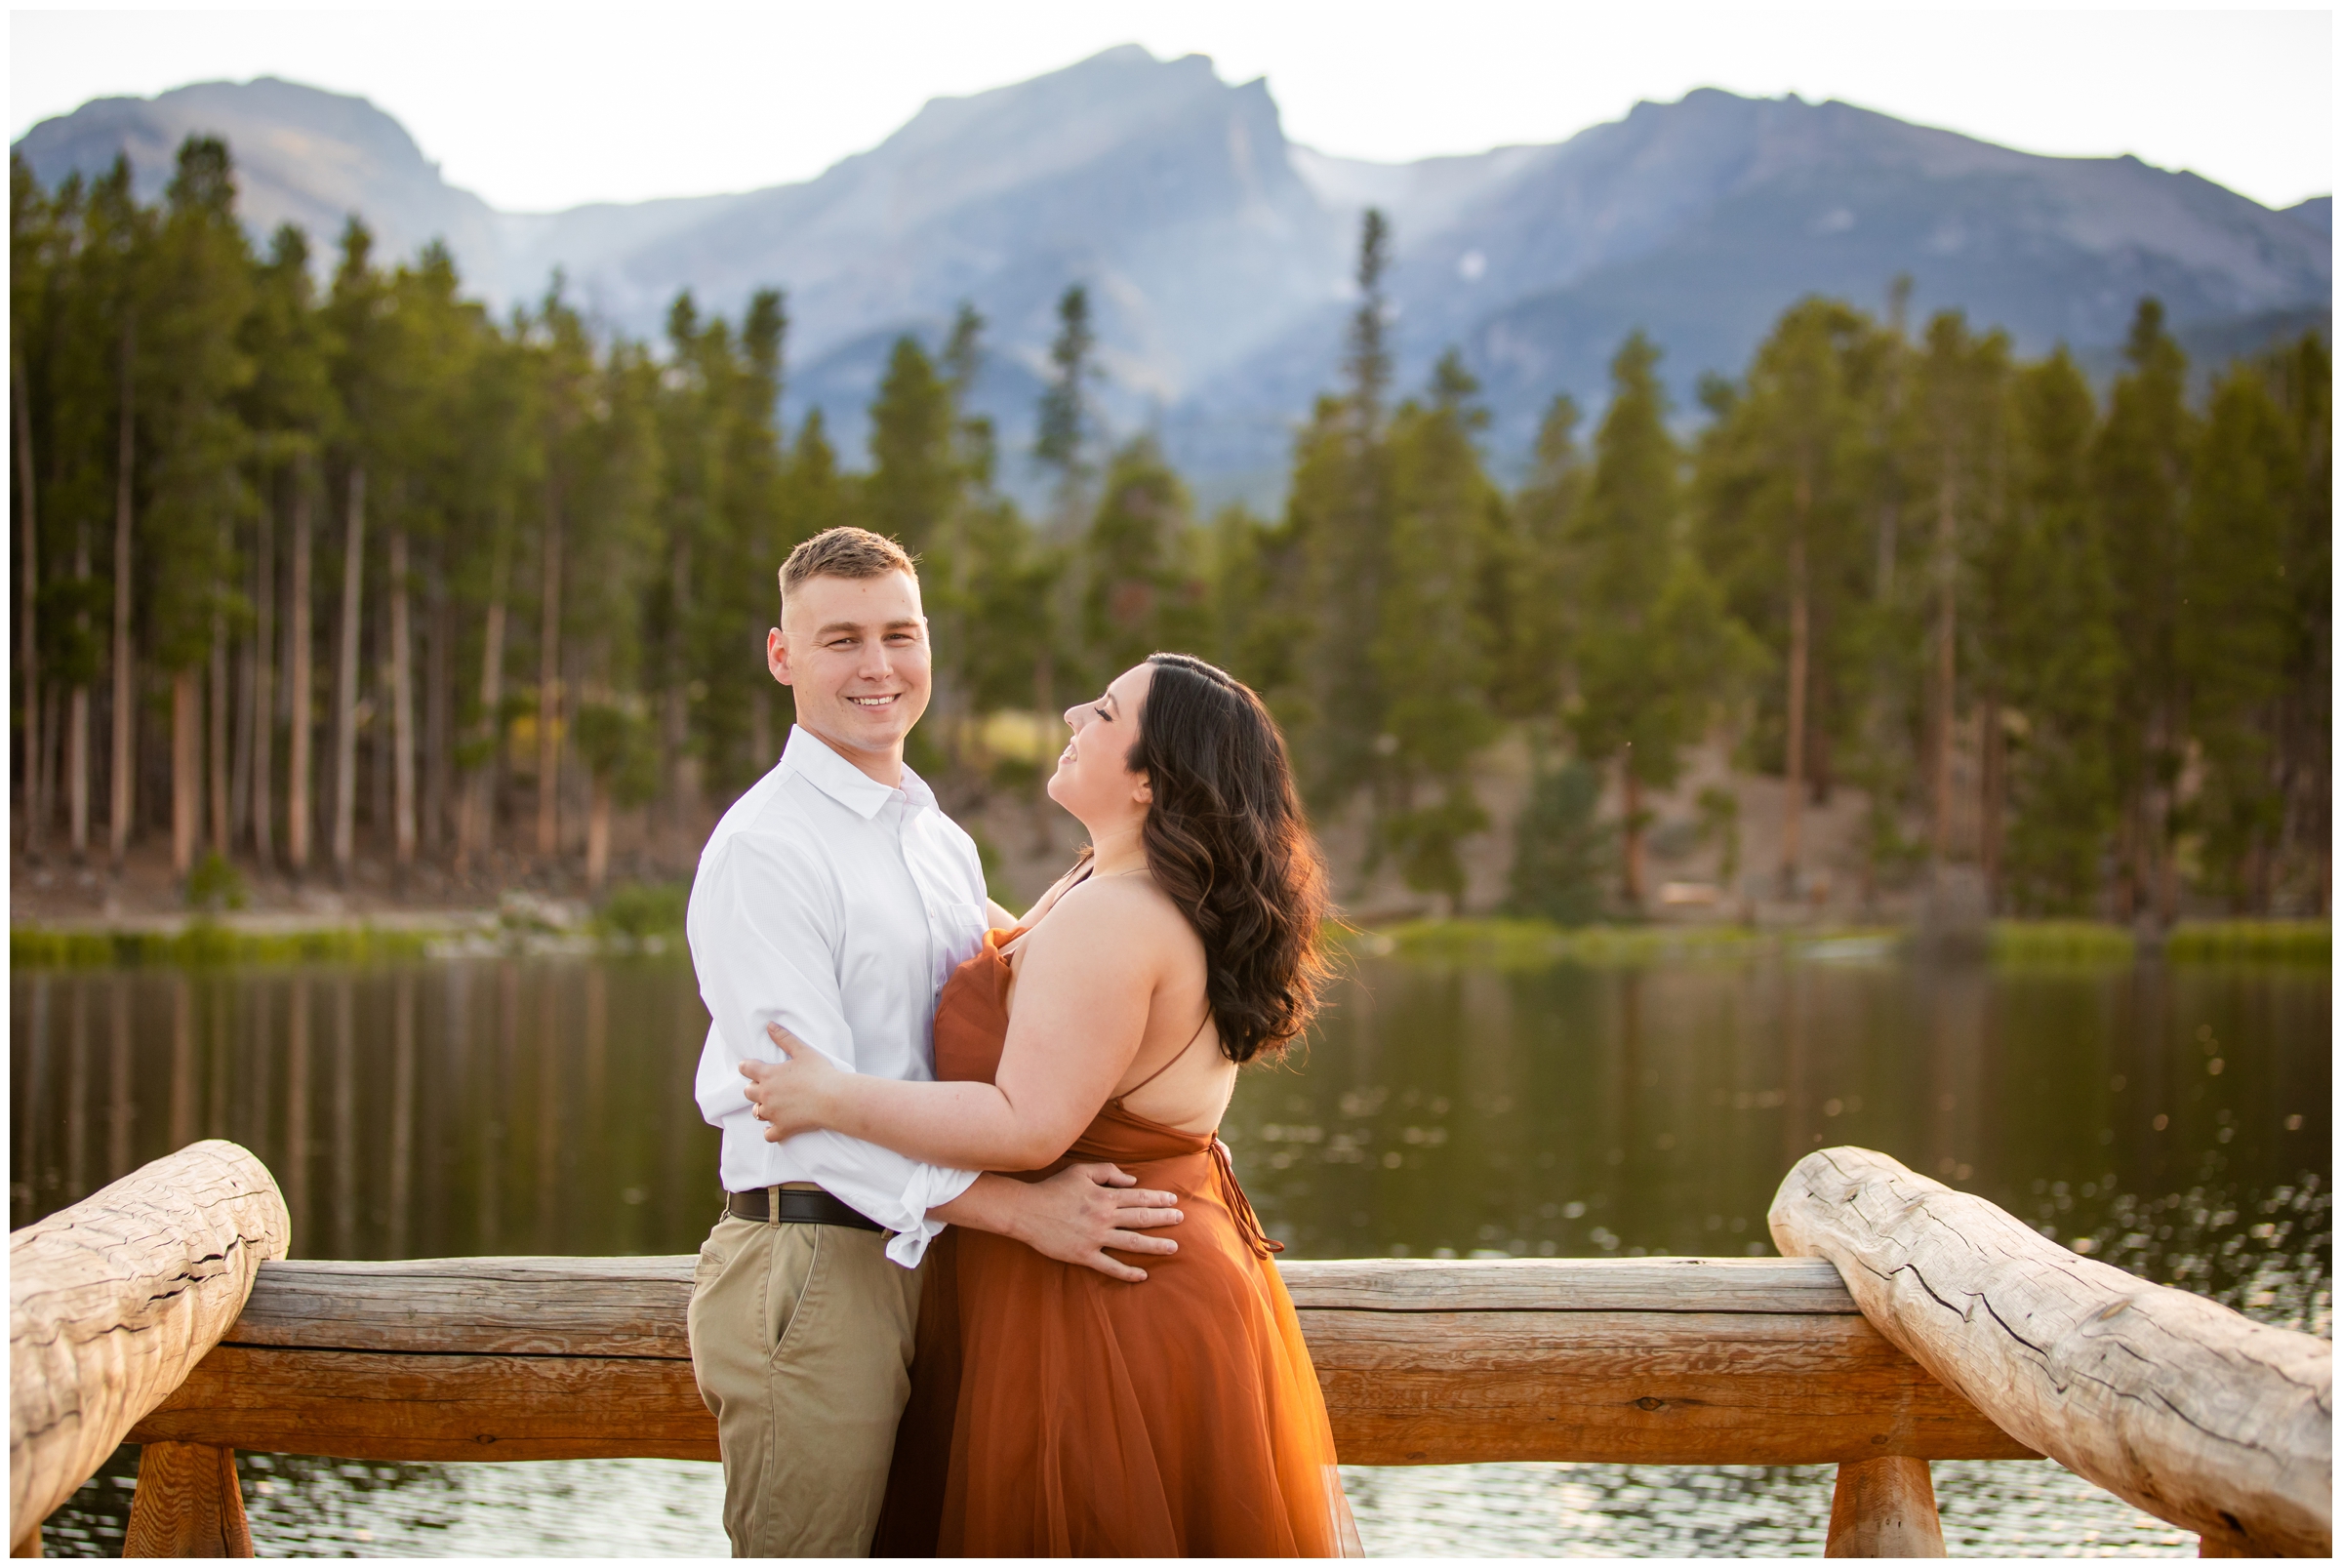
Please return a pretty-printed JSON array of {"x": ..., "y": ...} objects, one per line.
[{"x": 1113, "y": 913}]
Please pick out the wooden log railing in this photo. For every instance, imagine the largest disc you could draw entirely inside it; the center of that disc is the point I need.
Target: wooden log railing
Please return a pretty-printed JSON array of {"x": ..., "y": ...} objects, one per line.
[
  {"x": 1680, "y": 1361},
  {"x": 2184, "y": 1408},
  {"x": 112, "y": 1302},
  {"x": 1667, "y": 1361}
]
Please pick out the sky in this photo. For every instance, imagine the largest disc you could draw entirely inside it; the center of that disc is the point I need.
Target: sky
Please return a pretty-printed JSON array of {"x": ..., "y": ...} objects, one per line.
[{"x": 545, "y": 108}]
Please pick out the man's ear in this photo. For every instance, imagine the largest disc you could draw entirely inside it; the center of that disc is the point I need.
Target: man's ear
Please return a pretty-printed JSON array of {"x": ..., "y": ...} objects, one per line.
[{"x": 776, "y": 656}]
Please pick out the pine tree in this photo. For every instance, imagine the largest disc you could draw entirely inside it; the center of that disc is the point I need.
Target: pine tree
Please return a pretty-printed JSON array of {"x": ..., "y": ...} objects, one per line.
[
  {"x": 32, "y": 250},
  {"x": 2234, "y": 627},
  {"x": 1431, "y": 647},
  {"x": 1338, "y": 514},
  {"x": 1066, "y": 433},
  {"x": 1655, "y": 643},
  {"x": 2054, "y": 649},
  {"x": 2300, "y": 376},
  {"x": 2139, "y": 479},
  {"x": 201, "y": 293},
  {"x": 1140, "y": 590},
  {"x": 1527, "y": 574},
  {"x": 1781, "y": 480}
]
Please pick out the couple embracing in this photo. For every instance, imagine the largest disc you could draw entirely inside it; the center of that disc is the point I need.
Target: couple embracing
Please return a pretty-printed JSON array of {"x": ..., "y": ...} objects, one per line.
[{"x": 951, "y": 1138}]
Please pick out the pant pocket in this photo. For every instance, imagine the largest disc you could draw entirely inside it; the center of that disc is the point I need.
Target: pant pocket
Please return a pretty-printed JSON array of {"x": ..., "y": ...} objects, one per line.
[{"x": 798, "y": 1261}]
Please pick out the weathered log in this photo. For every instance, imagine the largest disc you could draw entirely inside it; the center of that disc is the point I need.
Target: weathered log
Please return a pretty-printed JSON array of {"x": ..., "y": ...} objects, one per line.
[
  {"x": 1720, "y": 1361},
  {"x": 2171, "y": 1401},
  {"x": 1630, "y": 1388},
  {"x": 637, "y": 1306},
  {"x": 188, "y": 1504},
  {"x": 619, "y": 1306},
  {"x": 1793, "y": 1285},
  {"x": 1884, "y": 1508},
  {"x": 112, "y": 1302},
  {"x": 378, "y": 1405}
]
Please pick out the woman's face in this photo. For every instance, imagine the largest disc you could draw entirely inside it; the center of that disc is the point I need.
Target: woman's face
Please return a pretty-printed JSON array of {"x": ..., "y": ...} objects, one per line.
[{"x": 1093, "y": 779}]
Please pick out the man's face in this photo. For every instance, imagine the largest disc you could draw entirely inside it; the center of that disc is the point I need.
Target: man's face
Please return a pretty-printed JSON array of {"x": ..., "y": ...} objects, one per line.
[{"x": 854, "y": 653}]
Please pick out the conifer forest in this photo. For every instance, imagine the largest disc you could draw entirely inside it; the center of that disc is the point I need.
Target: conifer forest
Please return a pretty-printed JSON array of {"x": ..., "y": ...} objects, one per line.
[{"x": 317, "y": 558}]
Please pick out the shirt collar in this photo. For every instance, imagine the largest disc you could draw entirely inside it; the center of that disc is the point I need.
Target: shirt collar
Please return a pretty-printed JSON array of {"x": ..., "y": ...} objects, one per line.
[{"x": 844, "y": 783}]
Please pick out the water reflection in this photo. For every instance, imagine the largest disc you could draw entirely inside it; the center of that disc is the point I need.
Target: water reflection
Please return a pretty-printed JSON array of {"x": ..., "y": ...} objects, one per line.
[
  {"x": 424, "y": 1111},
  {"x": 2175, "y": 1121}
]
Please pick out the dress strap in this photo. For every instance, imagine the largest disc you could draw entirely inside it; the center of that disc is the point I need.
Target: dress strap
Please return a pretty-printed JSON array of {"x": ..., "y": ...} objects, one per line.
[
  {"x": 1231, "y": 1192},
  {"x": 1070, "y": 880},
  {"x": 1166, "y": 1066}
]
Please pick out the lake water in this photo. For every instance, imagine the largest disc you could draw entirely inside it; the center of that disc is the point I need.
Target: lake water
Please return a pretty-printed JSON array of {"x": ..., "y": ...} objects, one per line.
[{"x": 2174, "y": 1121}]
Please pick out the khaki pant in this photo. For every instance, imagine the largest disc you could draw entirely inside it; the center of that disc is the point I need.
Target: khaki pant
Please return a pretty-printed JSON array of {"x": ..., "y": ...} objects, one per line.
[{"x": 801, "y": 1339}]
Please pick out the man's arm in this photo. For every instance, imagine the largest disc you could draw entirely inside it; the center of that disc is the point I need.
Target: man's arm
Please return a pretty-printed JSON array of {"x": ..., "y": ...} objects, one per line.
[
  {"x": 1074, "y": 1217},
  {"x": 762, "y": 930},
  {"x": 1083, "y": 998}
]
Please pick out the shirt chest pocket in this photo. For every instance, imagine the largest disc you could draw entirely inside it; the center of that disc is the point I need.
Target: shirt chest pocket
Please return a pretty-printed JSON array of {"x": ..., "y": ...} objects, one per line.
[{"x": 959, "y": 932}]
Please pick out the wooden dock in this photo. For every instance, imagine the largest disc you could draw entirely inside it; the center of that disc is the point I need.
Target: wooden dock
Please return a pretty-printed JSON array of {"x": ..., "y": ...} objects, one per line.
[{"x": 1995, "y": 1350}]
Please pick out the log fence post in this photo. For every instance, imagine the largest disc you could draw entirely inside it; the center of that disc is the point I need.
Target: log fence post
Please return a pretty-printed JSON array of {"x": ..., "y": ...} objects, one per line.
[
  {"x": 114, "y": 1300},
  {"x": 2167, "y": 1399},
  {"x": 1884, "y": 1508},
  {"x": 186, "y": 1505}
]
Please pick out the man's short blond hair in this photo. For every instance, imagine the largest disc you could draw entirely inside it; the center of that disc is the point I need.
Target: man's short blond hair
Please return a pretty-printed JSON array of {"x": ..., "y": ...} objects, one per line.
[{"x": 847, "y": 552}]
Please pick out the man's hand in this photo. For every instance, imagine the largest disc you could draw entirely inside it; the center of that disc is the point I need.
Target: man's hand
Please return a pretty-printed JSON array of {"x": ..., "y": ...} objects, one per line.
[{"x": 1074, "y": 1217}]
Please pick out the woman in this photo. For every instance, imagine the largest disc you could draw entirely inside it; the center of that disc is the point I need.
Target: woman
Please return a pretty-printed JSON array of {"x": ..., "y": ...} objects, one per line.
[{"x": 1055, "y": 1410}]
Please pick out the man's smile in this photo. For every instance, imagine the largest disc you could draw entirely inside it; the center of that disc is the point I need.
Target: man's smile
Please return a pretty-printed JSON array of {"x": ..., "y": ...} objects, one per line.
[{"x": 875, "y": 702}]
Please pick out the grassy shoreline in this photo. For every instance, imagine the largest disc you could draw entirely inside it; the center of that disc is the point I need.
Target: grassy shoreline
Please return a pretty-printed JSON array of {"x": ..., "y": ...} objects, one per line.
[
  {"x": 1496, "y": 943},
  {"x": 1533, "y": 944}
]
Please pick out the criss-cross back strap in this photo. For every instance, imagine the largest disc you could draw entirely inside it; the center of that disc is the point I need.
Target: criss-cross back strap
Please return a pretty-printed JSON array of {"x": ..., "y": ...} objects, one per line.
[{"x": 1174, "y": 1056}]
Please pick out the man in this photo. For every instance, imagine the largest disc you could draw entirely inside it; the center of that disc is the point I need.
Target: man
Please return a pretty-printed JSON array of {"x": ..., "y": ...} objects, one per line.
[{"x": 834, "y": 899}]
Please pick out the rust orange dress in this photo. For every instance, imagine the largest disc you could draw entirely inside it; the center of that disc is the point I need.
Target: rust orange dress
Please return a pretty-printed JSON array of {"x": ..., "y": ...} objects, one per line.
[{"x": 1055, "y": 1412}]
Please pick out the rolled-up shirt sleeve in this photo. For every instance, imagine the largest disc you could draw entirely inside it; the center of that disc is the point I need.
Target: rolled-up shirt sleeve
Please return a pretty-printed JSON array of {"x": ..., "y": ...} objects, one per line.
[{"x": 762, "y": 924}]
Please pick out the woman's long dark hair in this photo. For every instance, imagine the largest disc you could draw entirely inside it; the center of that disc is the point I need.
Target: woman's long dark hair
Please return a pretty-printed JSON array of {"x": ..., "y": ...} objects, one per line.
[{"x": 1224, "y": 838}]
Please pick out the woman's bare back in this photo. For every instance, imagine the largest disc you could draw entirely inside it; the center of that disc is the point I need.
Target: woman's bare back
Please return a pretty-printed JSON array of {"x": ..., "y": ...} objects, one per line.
[{"x": 1179, "y": 1077}]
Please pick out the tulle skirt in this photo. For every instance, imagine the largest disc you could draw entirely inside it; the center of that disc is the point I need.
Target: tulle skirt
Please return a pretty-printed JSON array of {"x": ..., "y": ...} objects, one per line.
[{"x": 1055, "y": 1412}]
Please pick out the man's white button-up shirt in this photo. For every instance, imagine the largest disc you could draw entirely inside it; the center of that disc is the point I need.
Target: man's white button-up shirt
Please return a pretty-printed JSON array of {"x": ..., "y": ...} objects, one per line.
[{"x": 836, "y": 908}]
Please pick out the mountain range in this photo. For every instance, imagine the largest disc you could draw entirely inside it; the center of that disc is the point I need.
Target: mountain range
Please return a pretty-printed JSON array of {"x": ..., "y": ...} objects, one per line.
[{"x": 1217, "y": 253}]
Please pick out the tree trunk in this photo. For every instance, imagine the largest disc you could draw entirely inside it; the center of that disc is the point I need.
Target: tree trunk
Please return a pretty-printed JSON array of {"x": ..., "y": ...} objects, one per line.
[
  {"x": 1631, "y": 797},
  {"x": 682, "y": 780},
  {"x": 1044, "y": 697},
  {"x": 1992, "y": 789},
  {"x": 1946, "y": 651},
  {"x": 475, "y": 833},
  {"x": 262, "y": 696},
  {"x": 438, "y": 725},
  {"x": 1793, "y": 797},
  {"x": 245, "y": 679},
  {"x": 125, "y": 714},
  {"x": 300, "y": 683},
  {"x": 77, "y": 718},
  {"x": 402, "y": 709},
  {"x": 345, "y": 682},
  {"x": 598, "y": 835},
  {"x": 77, "y": 773},
  {"x": 187, "y": 768},
  {"x": 36, "y": 804},
  {"x": 216, "y": 736},
  {"x": 549, "y": 685}
]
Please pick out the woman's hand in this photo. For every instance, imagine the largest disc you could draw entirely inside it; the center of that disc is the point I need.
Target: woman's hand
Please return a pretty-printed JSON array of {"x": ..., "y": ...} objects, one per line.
[{"x": 798, "y": 1094}]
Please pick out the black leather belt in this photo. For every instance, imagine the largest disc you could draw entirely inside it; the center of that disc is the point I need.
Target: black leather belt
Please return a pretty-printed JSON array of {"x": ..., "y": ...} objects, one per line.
[{"x": 798, "y": 1206}]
